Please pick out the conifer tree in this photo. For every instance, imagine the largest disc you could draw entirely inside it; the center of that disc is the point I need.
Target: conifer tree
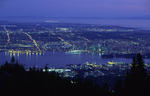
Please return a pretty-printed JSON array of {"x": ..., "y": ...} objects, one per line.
[
  {"x": 136, "y": 79},
  {"x": 13, "y": 60},
  {"x": 138, "y": 67}
]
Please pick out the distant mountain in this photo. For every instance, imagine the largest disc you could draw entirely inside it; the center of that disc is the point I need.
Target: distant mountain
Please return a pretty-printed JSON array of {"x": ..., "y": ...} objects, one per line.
[
  {"x": 48, "y": 17},
  {"x": 140, "y": 17}
]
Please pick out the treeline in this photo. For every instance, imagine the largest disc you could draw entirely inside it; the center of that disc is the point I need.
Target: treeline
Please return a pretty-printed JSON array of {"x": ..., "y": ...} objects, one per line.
[
  {"x": 16, "y": 81},
  {"x": 124, "y": 55}
]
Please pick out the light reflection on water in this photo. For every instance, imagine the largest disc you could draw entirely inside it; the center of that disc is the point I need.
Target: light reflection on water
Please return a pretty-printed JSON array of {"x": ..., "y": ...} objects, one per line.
[{"x": 60, "y": 59}]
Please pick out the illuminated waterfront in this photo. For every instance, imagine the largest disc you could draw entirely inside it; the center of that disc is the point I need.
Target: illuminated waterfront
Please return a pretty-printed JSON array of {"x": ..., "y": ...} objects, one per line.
[
  {"x": 57, "y": 59},
  {"x": 60, "y": 44}
]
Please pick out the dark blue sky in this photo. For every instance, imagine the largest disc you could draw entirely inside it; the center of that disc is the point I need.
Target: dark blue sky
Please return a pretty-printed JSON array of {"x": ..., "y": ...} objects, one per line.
[{"x": 75, "y": 8}]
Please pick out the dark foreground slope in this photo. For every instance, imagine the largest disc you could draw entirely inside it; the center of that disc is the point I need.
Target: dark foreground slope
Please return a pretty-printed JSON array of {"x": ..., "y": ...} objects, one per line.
[{"x": 16, "y": 81}]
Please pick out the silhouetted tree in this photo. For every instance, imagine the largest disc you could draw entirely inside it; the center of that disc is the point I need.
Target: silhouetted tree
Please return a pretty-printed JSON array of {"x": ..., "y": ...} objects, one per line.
[
  {"x": 18, "y": 82},
  {"x": 105, "y": 90},
  {"x": 138, "y": 67},
  {"x": 12, "y": 59},
  {"x": 136, "y": 80},
  {"x": 118, "y": 88},
  {"x": 6, "y": 63},
  {"x": 46, "y": 68}
]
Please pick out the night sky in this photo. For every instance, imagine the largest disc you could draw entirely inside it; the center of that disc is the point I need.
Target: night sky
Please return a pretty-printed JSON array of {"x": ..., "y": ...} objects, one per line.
[{"x": 75, "y": 8}]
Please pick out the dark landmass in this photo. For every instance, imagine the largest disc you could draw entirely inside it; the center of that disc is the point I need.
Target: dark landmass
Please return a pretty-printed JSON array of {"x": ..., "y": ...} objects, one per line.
[{"x": 15, "y": 80}]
